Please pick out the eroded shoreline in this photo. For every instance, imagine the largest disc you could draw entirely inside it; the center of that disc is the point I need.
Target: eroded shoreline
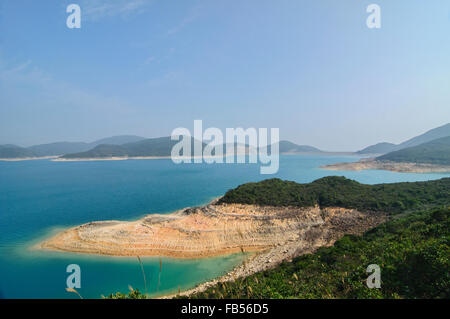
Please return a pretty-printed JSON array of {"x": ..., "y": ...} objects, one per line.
[
  {"x": 372, "y": 164},
  {"x": 275, "y": 233},
  {"x": 213, "y": 230}
]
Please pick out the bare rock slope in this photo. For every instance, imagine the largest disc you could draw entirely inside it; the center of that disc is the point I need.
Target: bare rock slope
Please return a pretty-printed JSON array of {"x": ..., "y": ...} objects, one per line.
[{"x": 216, "y": 229}]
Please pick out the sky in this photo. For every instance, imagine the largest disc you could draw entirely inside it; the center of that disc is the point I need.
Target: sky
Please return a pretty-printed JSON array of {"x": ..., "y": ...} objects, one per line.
[{"x": 313, "y": 69}]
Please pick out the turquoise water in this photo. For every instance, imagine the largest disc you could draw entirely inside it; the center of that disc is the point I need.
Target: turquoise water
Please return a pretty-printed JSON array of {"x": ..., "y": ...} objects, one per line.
[{"x": 40, "y": 197}]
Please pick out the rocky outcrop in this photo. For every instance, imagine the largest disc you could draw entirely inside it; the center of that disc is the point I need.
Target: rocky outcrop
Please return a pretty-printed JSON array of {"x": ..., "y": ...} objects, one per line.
[{"x": 217, "y": 229}]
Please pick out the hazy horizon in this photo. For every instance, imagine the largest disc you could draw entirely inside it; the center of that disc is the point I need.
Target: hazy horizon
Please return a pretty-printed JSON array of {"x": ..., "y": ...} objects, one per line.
[{"x": 312, "y": 69}]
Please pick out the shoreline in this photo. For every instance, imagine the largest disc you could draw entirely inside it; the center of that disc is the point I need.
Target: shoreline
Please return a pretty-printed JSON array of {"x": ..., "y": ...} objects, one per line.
[
  {"x": 124, "y": 158},
  {"x": 210, "y": 230},
  {"x": 20, "y": 159},
  {"x": 400, "y": 167},
  {"x": 114, "y": 158}
]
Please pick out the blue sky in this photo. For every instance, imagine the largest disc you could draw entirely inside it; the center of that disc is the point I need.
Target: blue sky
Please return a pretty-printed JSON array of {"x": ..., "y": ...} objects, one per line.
[{"x": 311, "y": 68}]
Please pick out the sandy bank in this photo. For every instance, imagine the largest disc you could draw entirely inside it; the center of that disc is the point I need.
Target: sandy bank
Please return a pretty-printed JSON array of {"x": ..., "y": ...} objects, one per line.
[{"x": 389, "y": 166}]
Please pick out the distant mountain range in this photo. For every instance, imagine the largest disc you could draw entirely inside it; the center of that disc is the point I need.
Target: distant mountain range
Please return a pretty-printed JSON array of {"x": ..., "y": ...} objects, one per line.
[
  {"x": 157, "y": 147},
  {"x": 122, "y": 146},
  {"x": 161, "y": 147},
  {"x": 383, "y": 148},
  {"x": 136, "y": 146},
  {"x": 61, "y": 148}
]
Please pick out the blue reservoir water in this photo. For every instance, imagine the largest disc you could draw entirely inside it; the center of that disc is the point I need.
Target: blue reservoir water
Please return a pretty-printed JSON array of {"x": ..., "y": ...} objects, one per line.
[{"x": 38, "y": 198}]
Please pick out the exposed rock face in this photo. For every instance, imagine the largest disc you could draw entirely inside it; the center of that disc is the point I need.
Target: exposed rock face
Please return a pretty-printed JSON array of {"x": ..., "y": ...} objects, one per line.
[
  {"x": 215, "y": 230},
  {"x": 389, "y": 166}
]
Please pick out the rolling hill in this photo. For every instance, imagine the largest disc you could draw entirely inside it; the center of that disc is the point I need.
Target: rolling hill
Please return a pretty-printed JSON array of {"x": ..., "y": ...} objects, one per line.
[
  {"x": 162, "y": 147},
  {"x": 434, "y": 152},
  {"x": 383, "y": 148},
  {"x": 380, "y": 148},
  {"x": 289, "y": 147},
  {"x": 58, "y": 148},
  {"x": 117, "y": 140},
  {"x": 10, "y": 151},
  {"x": 157, "y": 147}
]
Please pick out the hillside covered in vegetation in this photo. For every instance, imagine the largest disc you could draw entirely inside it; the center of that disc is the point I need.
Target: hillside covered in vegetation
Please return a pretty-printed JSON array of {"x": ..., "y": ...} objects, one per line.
[
  {"x": 342, "y": 192},
  {"x": 144, "y": 148},
  {"x": 412, "y": 252},
  {"x": 433, "y": 134},
  {"x": 435, "y": 152},
  {"x": 412, "y": 249}
]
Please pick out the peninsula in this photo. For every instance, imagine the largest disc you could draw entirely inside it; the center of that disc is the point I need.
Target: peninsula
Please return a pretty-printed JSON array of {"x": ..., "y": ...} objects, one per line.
[{"x": 253, "y": 217}]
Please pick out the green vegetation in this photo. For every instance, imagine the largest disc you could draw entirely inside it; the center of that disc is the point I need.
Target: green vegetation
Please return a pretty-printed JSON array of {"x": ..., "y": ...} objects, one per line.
[
  {"x": 342, "y": 192},
  {"x": 412, "y": 252},
  {"x": 434, "y": 152},
  {"x": 133, "y": 294}
]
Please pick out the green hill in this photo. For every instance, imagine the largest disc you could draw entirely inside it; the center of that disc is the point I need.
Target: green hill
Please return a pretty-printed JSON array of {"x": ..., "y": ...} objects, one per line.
[
  {"x": 117, "y": 140},
  {"x": 10, "y": 151},
  {"x": 157, "y": 147},
  {"x": 434, "y": 152},
  {"x": 342, "y": 192},
  {"x": 289, "y": 147},
  {"x": 412, "y": 252},
  {"x": 436, "y": 133},
  {"x": 163, "y": 147},
  {"x": 433, "y": 134},
  {"x": 59, "y": 148},
  {"x": 380, "y": 148}
]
